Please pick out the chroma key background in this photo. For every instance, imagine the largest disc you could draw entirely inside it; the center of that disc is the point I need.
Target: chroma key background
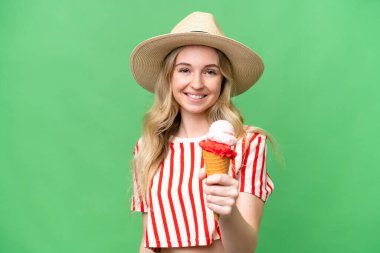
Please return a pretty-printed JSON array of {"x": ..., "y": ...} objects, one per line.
[{"x": 70, "y": 113}]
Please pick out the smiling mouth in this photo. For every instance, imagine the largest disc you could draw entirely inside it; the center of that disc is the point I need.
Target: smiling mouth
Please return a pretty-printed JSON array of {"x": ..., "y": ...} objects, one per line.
[{"x": 193, "y": 96}]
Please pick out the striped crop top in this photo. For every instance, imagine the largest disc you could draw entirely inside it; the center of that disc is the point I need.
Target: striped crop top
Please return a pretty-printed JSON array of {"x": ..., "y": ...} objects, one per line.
[{"x": 177, "y": 213}]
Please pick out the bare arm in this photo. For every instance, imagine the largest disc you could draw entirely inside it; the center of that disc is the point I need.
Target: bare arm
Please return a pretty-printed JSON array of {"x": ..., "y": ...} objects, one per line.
[
  {"x": 242, "y": 225},
  {"x": 142, "y": 248},
  {"x": 240, "y": 213}
]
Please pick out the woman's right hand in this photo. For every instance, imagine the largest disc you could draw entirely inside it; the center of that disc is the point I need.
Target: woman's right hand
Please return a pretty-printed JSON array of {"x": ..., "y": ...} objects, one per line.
[{"x": 221, "y": 192}]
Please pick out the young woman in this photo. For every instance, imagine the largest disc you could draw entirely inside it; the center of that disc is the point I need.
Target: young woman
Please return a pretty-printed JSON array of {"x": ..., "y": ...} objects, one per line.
[{"x": 193, "y": 72}]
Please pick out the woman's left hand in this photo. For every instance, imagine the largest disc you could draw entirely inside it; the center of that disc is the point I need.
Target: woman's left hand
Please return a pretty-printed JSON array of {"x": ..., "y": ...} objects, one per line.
[{"x": 221, "y": 192}]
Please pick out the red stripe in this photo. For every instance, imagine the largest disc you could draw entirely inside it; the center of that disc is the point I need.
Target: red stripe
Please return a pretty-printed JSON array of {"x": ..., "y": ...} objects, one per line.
[
  {"x": 142, "y": 209},
  {"x": 254, "y": 166},
  {"x": 270, "y": 187},
  {"x": 217, "y": 228},
  {"x": 146, "y": 237},
  {"x": 268, "y": 184},
  {"x": 201, "y": 196},
  {"x": 262, "y": 173},
  {"x": 233, "y": 165},
  {"x": 191, "y": 194},
  {"x": 179, "y": 240},
  {"x": 135, "y": 179},
  {"x": 184, "y": 213},
  {"x": 245, "y": 154},
  {"x": 243, "y": 162},
  {"x": 141, "y": 201},
  {"x": 135, "y": 182},
  {"x": 153, "y": 218},
  {"x": 133, "y": 204},
  {"x": 159, "y": 193}
]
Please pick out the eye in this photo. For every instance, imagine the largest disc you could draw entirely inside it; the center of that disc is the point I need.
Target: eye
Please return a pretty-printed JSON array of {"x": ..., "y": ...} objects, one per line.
[
  {"x": 211, "y": 72},
  {"x": 183, "y": 70}
]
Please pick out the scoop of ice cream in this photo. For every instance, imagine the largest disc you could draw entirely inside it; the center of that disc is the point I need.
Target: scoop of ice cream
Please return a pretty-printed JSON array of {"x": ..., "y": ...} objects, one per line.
[
  {"x": 222, "y": 131},
  {"x": 217, "y": 148}
]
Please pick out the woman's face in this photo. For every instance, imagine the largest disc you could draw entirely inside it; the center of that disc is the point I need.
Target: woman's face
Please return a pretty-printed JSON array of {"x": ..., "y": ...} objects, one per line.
[{"x": 196, "y": 79}]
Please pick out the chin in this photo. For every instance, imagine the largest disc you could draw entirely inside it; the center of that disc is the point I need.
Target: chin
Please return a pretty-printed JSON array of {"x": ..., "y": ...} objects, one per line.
[{"x": 196, "y": 111}]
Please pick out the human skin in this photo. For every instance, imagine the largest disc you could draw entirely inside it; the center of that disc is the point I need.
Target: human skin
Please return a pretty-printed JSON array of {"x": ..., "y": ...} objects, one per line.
[
  {"x": 196, "y": 81},
  {"x": 196, "y": 84}
]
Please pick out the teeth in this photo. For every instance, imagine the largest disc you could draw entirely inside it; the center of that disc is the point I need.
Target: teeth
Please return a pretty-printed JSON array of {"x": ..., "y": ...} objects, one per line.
[{"x": 195, "y": 96}]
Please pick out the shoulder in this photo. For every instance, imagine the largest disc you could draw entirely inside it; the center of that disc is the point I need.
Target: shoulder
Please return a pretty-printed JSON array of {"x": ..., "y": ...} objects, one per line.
[{"x": 253, "y": 132}]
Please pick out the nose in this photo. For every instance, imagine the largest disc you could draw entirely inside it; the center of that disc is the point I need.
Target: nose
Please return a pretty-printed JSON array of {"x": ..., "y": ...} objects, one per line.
[{"x": 197, "y": 81}]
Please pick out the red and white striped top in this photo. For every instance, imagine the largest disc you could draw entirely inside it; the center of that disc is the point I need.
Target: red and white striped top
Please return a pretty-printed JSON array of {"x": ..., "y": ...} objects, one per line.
[{"x": 177, "y": 215}]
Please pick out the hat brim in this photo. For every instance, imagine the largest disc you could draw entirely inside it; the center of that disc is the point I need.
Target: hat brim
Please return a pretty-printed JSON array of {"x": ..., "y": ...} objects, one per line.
[{"x": 147, "y": 57}]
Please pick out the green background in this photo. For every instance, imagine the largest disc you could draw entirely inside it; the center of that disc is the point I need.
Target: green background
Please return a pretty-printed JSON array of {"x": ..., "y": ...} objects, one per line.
[{"x": 70, "y": 113}]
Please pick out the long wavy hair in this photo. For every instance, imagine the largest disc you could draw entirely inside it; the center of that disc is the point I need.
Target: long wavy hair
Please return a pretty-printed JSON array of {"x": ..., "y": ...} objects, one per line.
[{"x": 163, "y": 119}]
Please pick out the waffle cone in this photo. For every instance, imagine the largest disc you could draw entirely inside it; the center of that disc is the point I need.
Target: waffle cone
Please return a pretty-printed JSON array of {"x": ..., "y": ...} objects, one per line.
[{"x": 215, "y": 164}]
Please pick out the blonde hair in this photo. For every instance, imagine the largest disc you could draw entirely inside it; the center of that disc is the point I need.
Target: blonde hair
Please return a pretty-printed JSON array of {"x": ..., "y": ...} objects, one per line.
[{"x": 163, "y": 119}]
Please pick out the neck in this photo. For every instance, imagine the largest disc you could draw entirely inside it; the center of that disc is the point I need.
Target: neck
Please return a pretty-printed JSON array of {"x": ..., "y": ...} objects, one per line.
[{"x": 193, "y": 125}]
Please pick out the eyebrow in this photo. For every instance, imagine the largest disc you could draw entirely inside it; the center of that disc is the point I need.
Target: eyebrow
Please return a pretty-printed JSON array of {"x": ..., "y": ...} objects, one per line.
[{"x": 206, "y": 66}]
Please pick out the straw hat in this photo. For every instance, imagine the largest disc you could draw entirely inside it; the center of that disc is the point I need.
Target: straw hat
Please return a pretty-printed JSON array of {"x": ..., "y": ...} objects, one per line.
[{"x": 198, "y": 28}]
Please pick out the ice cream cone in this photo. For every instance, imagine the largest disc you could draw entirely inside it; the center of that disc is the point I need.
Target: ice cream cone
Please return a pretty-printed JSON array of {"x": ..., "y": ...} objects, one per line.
[
  {"x": 217, "y": 149},
  {"x": 215, "y": 164}
]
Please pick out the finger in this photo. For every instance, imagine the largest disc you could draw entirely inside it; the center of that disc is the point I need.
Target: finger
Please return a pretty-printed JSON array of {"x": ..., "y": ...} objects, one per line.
[
  {"x": 221, "y": 210},
  {"x": 220, "y": 201},
  {"x": 221, "y": 179},
  {"x": 221, "y": 191},
  {"x": 202, "y": 174}
]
